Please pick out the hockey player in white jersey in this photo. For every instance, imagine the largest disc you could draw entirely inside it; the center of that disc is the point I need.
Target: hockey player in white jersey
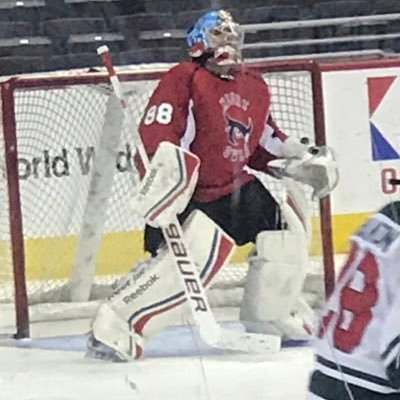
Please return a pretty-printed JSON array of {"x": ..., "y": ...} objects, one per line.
[{"x": 357, "y": 349}]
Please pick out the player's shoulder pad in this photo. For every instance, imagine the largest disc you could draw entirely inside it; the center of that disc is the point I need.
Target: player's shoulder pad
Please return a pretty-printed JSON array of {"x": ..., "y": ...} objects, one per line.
[
  {"x": 183, "y": 70},
  {"x": 252, "y": 73},
  {"x": 392, "y": 211}
]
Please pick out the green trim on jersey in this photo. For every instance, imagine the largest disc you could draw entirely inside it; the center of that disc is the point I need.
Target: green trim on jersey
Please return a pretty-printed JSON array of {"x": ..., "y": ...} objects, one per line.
[{"x": 392, "y": 211}]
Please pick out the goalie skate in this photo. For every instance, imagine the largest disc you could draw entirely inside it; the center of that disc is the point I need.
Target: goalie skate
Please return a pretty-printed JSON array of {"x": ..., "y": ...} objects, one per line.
[{"x": 100, "y": 351}]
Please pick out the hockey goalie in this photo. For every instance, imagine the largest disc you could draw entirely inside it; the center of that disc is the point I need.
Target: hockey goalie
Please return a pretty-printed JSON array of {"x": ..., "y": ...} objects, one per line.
[{"x": 205, "y": 127}]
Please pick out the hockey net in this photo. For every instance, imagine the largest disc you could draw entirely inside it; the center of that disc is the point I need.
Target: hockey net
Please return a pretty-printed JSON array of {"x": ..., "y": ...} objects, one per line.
[{"x": 65, "y": 222}]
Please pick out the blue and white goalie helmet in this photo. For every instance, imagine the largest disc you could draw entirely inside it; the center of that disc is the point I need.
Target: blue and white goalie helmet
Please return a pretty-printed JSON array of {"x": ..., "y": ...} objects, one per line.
[{"x": 217, "y": 34}]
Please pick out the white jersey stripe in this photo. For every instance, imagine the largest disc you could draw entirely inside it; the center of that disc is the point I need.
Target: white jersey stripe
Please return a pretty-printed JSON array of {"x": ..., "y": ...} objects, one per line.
[{"x": 190, "y": 132}]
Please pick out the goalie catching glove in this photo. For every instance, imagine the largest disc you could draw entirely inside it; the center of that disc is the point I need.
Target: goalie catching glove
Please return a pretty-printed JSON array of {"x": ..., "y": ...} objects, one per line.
[
  {"x": 316, "y": 168},
  {"x": 167, "y": 186}
]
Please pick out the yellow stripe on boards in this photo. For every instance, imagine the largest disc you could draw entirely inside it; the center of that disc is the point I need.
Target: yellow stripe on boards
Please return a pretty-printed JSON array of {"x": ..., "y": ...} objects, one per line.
[
  {"x": 52, "y": 257},
  {"x": 343, "y": 226}
]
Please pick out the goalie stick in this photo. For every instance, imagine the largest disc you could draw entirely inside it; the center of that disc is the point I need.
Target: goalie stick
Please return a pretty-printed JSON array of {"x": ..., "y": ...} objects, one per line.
[{"x": 210, "y": 331}]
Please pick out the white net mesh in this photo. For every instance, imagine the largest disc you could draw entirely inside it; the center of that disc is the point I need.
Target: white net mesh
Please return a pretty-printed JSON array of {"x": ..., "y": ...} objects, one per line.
[{"x": 59, "y": 129}]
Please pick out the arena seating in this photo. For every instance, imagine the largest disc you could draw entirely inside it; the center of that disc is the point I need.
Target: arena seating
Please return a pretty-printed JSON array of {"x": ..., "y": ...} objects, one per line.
[
  {"x": 270, "y": 14},
  {"x": 386, "y": 6},
  {"x": 45, "y": 35},
  {"x": 340, "y": 8},
  {"x": 21, "y": 64}
]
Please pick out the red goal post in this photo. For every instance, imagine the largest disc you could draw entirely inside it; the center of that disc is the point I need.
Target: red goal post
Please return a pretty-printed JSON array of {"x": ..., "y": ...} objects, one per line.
[{"x": 68, "y": 175}]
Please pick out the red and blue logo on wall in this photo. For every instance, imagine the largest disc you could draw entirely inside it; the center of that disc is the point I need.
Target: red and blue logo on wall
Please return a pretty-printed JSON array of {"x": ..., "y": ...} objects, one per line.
[{"x": 384, "y": 117}]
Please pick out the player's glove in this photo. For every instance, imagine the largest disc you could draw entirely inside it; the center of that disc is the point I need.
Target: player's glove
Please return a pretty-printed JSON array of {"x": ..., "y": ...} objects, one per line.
[{"x": 316, "y": 168}]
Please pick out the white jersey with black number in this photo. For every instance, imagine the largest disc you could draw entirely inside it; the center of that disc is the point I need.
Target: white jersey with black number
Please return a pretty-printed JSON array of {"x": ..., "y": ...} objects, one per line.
[{"x": 359, "y": 333}]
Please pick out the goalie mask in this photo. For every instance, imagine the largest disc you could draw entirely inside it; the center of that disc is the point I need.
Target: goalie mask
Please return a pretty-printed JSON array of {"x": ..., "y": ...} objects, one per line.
[{"x": 217, "y": 35}]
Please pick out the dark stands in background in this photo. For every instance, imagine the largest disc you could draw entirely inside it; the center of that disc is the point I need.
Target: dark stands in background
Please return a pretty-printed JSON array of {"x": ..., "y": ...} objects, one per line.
[{"x": 47, "y": 35}]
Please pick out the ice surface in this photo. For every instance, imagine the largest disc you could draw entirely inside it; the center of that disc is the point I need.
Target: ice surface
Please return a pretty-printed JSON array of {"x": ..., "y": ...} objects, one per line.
[
  {"x": 177, "y": 366},
  {"x": 35, "y": 374}
]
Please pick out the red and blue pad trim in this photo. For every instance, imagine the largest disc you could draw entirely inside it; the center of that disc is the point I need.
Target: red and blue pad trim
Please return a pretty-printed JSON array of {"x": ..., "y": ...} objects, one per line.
[{"x": 220, "y": 250}]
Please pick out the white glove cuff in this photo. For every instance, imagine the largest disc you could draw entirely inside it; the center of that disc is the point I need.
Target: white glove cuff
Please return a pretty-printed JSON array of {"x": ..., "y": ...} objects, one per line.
[{"x": 292, "y": 148}]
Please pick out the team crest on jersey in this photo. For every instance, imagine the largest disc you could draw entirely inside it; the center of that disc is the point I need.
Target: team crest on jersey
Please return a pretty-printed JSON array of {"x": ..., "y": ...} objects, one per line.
[{"x": 239, "y": 126}]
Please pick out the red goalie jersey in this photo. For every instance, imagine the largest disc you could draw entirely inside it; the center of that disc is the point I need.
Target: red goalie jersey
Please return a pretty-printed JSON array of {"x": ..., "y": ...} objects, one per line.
[
  {"x": 225, "y": 122},
  {"x": 359, "y": 337}
]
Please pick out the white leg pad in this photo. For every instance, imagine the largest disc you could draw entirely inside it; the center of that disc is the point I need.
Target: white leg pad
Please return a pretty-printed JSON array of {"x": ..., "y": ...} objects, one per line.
[
  {"x": 273, "y": 285},
  {"x": 275, "y": 277},
  {"x": 152, "y": 297},
  {"x": 277, "y": 271}
]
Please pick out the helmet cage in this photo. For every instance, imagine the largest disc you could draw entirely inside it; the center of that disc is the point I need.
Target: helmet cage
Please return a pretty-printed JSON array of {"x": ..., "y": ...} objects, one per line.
[{"x": 217, "y": 33}]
